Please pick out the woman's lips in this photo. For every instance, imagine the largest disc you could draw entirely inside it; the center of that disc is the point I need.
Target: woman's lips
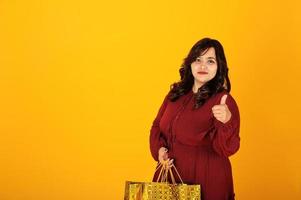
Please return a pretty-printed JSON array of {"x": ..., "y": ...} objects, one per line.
[{"x": 202, "y": 72}]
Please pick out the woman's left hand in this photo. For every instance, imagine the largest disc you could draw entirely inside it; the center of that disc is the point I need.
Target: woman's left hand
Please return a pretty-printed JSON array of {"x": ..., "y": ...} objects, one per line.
[{"x": 221, "y": 112}]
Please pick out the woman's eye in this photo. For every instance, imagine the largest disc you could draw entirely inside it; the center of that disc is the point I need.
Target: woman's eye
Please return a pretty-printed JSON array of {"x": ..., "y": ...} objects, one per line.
[
  {"x": 198, "y": 60},
  {"x": 211, "y": 61}
]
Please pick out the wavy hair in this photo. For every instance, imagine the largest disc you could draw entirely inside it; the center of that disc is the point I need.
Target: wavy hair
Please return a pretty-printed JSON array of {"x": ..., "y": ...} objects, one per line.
[{"x": 219, "y": 83}]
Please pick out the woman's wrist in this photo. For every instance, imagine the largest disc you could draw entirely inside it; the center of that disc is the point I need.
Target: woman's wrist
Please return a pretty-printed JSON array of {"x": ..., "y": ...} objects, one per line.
[{"x": 163, "y": 149}]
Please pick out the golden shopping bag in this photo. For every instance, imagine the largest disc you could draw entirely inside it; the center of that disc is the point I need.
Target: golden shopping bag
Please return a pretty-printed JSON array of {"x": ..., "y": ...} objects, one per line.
[{"x": 162, "y": 190}]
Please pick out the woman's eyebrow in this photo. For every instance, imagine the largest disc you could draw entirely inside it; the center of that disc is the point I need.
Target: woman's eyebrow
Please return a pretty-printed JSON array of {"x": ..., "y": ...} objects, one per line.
[{"x": 208, "y": 57}]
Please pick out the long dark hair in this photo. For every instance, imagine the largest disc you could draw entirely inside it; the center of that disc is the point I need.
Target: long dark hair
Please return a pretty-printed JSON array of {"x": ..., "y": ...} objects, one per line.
[{"x": 219, "y": 83}]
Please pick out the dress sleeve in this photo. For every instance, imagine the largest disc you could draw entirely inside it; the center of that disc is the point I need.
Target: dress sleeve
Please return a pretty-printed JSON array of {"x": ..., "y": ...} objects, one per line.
[
  {"x": 226, "y": 140},
  {"x": 156, "y": 138}
]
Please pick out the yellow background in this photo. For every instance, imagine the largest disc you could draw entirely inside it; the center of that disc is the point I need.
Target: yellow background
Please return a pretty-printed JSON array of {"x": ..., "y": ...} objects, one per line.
[{"x": 81, "y": 82}]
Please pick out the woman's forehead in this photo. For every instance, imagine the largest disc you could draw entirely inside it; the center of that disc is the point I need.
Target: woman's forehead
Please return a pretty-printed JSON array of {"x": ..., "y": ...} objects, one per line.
[{"x": 209, "y": 52}]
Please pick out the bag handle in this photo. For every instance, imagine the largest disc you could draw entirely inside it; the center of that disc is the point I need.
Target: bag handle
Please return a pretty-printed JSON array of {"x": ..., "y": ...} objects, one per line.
[{"x": 164, "y": 173}]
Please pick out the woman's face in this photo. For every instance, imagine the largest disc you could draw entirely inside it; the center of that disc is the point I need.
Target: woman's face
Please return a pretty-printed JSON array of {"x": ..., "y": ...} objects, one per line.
[{"x": 204, "y": 67}]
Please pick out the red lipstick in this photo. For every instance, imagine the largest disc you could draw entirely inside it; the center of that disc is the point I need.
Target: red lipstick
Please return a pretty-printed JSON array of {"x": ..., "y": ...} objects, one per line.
[{"x": 202, "y": 72}]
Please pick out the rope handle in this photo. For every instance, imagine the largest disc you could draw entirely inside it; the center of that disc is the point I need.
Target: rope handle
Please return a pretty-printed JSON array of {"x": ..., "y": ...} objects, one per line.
[{"x": 163, "y": 175}]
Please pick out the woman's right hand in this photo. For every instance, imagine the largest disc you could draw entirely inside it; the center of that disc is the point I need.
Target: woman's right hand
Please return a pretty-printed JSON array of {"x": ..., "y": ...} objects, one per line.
[{"x": 163, "y": 157}]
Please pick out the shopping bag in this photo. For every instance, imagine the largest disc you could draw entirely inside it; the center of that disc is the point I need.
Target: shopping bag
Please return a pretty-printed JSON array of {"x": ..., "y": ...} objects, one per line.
[{"x": 162, "y": 190}]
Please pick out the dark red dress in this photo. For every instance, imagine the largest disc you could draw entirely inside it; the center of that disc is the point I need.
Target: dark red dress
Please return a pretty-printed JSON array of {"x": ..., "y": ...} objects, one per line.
[{"x": 199, "y": 144}]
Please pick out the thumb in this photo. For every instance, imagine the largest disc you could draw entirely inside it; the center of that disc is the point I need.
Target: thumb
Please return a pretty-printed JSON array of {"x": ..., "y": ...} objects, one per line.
[{"x": 223, "y": 99}]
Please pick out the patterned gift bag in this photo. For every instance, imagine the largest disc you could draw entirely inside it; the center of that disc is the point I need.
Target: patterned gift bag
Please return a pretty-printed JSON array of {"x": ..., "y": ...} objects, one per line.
[{"x": 162, "y": 190}]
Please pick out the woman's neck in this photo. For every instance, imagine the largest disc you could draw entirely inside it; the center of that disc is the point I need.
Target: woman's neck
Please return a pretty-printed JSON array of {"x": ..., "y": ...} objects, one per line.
[{"x": 196, "y": 87}]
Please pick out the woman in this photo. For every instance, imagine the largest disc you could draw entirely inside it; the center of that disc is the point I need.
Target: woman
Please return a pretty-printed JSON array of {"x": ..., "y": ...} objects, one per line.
[{"x": 197, "y": 126}]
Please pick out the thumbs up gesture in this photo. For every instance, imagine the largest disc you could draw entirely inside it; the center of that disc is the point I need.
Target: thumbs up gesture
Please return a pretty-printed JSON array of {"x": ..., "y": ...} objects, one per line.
[{"x": 221, "y": 112}]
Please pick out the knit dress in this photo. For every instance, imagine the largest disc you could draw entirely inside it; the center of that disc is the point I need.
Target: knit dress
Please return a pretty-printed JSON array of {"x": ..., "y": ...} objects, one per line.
[{"x": 199, "y": 144}]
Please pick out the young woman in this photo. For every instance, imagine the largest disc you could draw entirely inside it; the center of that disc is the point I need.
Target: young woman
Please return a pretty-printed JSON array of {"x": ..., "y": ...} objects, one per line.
[{"x": 197, "y": 126}]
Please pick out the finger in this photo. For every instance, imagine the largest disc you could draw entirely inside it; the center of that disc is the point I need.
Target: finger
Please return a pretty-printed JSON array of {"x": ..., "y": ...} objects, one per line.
[
  {"x": 218, "y": 115},
  {"x": 215, "y": 107},
  {"x": 164, "y": 162},
  {"x": 219, "y": 107},
  {"x": 223, "y": 99},
  {"x": 169, "y": 166},
  {"x": 220, "y": 118},
  {"x": 170, "y": 163},
  {"x": 218, "y": 111}
]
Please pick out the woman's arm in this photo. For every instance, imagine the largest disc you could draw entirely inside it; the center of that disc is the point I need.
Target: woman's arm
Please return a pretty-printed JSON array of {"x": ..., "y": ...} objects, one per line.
[
  {"x": 226, "y": 140},
  {"x": 156, "y": 138}
]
